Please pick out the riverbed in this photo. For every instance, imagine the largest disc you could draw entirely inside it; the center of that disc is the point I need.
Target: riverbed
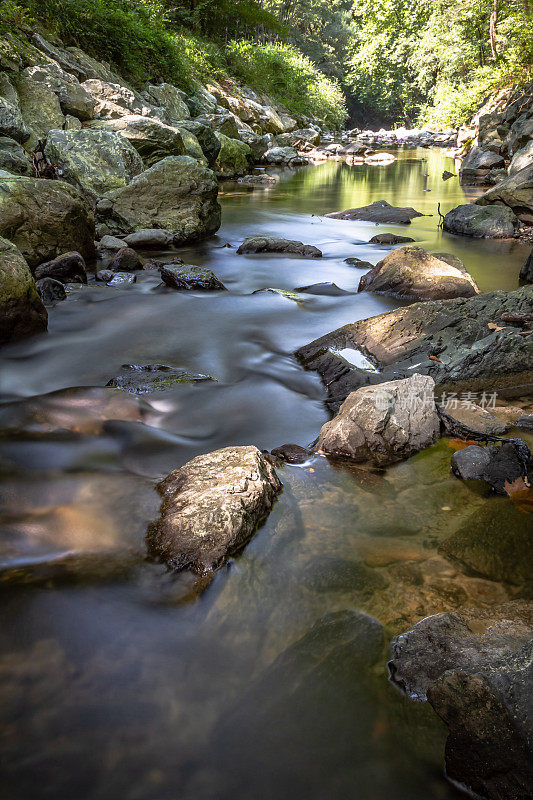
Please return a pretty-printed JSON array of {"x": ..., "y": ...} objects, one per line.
[{"x": 118, "y": 679}]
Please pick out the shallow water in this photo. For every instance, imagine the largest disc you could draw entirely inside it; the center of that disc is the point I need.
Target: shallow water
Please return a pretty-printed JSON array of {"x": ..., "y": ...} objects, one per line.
[{"x": 116, "y": 680}]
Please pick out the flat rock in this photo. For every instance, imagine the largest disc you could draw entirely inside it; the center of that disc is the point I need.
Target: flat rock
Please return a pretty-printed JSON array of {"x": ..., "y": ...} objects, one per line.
[
  {"x": 359, "y": 263},
  {"x": 22, "y": 312},
  {"x": 152, "y": 237},
  {"x": 413, "y": 273},
  {"x": 390, "y": 238},
  {"x": 378, "y": 211},
  {"x": 475, "y": 668},
  {"x": 488, "y": 222},
  {"x": 148, "y": 378},
  {"x": 211, "y": 507},
  {"x": 111, "y": 243},
  {"x": 475, "y": 417},
  {"x": 188, "y": 276},
  {"x": 67, "y": 268},
  {"x": 274, "y": 244},
  {"x": 384, "y": 424}
]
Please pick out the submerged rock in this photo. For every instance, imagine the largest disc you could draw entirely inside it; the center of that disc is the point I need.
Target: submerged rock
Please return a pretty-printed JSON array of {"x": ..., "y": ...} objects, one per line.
[
  {"x": 325, "y": 289},
  {"x": 50, "y": 290},
  {"x": 67, "y": 268},
  {"x": 475, "y": 668},
  {"x": 384, "y": 423},
  {"x": 147, "y": 378},
  {"x": 259, "y": 180},
  {"x": 415, "y": 274},
  {"x": 490, "y": 222},
  {"x": 188, "y": 276},
  {"x": 378, "y": 211},
  {"x": 45, "y": 218},
  {"x": 274, "y": 244},
  {"x": 21, "y": 309},
  {"x": 390, "y": 238},
  {"x": 211, "y": 507},
  {"x": 177, "y": 194},
  {"x": 505, "y": 468},
  {"x": 291, "y": 453},
  {"x": 122, "y": 279}
]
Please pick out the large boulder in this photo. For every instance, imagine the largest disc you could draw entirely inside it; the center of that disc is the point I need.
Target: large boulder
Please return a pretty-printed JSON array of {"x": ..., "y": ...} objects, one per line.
[
  {"x": 45, "y": 218},
  {"x": 414, "y": 274},
  {"x": 171, "y": 102},
  {"x": 234, "y": 159},
  {"x": 477, "y": 163},
  {"x": 152, "y": 139},
  {"x": 39, "y": 106},
  {"x": 206, "y": 138},
  {"x": 481, "y": 222},
  {"x": 67, "y": 268},
  {"x": 275, "y": 244},
  {"x": 191, "y": 144},
  {"x": 516, "y": 192},
  {"x": 385, "y": 423},
  {"x": 378, "y": 211},
  {"x": 112, "y": 100},
  {"x": 11, "y": 121},
  {"x": 97, "y": 161},
  {"x": 522, "y": 158},
  {"x": 211, "y": 507},
  {"x": 13, "y": 157},
  {"x": 177, "y": 194},
  {"x": 72, "y": 96},
  {"x": 521, "y": 133},
  {"x": 21, "y": 309},
  {"x": 258, "y": 144},
  {"x": 475, "y": 668},
  {"x": 450, "y": 340}
]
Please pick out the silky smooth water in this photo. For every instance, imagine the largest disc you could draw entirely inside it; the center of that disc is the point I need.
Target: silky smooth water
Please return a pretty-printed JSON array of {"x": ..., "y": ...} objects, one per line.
[{"x": 119, "y": 680}]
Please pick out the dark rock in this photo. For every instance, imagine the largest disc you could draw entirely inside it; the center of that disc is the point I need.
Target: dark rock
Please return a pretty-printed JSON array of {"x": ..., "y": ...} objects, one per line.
[
  {"x": 378, "y": 211},
  {"x": 526, "y": 273},
  {"x": 274, "y": 244},
  {"x": 125, "y": 260},
  {"x": 68, "y": 268},
  {"x": 14, "y": 158},
  {"x": 525, "y": 422},
  {"x": 479, "y": 161},
  {"x": 122, "y": 279},
  {"x": 475, "y": 668},
  {"x": 111, "y": 243},
  {"x": 211, "y": 507},
  {"x": 325, "y": 289},
  {"x": 447, "y": 175},
  {"x": 357, "y": 262},
  {"x": 489, "y": 222},
  {"x": 104, "y": 275},
  {"x": 390, "y": 238},
  {"x": 291, "y": 453},
  {"x": 501, "y": 467},
  {"x": 50, "y": 290},
  {"x": 147, "y": 378},
  {"x": 188, "y": 276},
  {"x": 22, "y": 312},
  {"x": 471, "y": 356}
]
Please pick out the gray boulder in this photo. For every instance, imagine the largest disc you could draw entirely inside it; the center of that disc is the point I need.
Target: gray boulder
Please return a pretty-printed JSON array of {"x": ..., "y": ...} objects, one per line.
[
  {"x": 146, "y": 239},
  {"x": 211, "y": 507},
  {"x": 39, "y": 106},
  {"x": 114, "y": 100},
  {"x": 275, "y": 244},
  {"x": 258, "y": 144},
  {"x": 378, "y": 211},
  {"x": 188, "y": 276},
  {"x": 13, "y": 157},
  {"x": 73, "y": 98},
  {"x": 171, "y": 102},
  {"x": 477, "y": 163},
  {"x": 11, "y": 122},
  {"x": 384, "y": 424},
  {"x": 45, "y": 218},
  {"x": 516, "y": 192},
  {"x": 522, "y": 158},
  {"x": 284, "y": 155},
  {"x": 481, "y": 222},
  {"x": 191, "y": 143},
  {"x": 125, "y": 260},
  {"x": 97, "y": 161},
  {"x": 50, "y": 290},
  {"x": 177, "y": 194},
  {"x": 413, "y": 273},
  {"x": 21, "y": 310},
  {"x": 152, "y": 139},
  {"x": 504, "y": 468},
  {"x": 206, "y": 138},
  {"x": 475, "y": 668}
]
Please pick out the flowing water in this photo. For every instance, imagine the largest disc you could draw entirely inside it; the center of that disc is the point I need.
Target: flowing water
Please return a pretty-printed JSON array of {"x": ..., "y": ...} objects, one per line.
[{"x": 118, "y": 680}]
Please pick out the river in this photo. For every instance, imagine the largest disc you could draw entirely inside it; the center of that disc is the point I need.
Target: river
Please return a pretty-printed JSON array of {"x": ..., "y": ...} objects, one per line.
[{"x": 118, "y": 680}]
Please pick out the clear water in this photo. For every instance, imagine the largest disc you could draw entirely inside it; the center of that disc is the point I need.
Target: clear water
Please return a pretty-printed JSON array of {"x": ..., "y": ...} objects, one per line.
[{"x": 116, "y": 679}]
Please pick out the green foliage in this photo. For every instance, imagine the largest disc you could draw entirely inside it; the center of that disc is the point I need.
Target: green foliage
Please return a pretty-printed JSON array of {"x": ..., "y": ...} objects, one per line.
[{"x": 290, "y": 77}]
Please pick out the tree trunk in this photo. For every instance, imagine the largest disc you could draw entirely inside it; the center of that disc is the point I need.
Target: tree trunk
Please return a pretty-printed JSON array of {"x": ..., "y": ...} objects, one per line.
[{"x": 492, "y": 29}]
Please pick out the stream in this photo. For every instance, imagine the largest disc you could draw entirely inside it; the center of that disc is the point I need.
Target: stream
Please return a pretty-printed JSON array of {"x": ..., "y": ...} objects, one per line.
[{"x": 120, "y": 680}]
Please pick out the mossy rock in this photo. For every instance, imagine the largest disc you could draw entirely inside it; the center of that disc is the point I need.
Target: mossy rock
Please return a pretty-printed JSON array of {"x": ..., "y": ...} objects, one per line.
[
  {"x": 21, "y": 310},
  {"x": 235, "y": 157}
]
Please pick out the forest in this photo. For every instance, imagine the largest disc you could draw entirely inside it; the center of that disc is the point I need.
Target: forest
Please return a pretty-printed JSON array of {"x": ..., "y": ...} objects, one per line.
[{"x": 381, "y": 62}]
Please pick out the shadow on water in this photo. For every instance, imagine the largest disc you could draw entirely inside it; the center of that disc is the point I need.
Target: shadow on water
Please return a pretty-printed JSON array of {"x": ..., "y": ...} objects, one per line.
[{"x": 115, "y": 681}]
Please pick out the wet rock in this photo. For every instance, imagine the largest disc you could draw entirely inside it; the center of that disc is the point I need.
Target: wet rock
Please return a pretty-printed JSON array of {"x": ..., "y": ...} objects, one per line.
[
  {"x": 291, "y": 453},
  {"x": 525, "y": 422},
  {"x": 475, "y": 668},
  {"x": 258, "y": 144},
  {"x": 104, "y": 275},
  {"x": 67, "y": 268},
  {"x": 467, "y": 354},
  {"x": 73, "y": 568},
  {"x": 50, "y": 290},
  {"x": 211, "y": 507},
  {"x": 146, "y": 239},
  {"x": 378, "y": 211},
  {"x": 274, "y": 244},
  {"x": 177, "y": 194},
  {"x": 446, "y": 175},
  {"x": 188, "y": 276},
  {"x": 413, "y": 273},
  {"x": 474, "y": 417},
  {"x": 125, "y": 260},
  {"x": 359, "y": 263},
  {"x": 490, "y": 222},
  {"x": 234, "y": 159},
  {"x": 504, "y": 468},
  {"x": 526, "y": 273},
  {"x": 384, "y": 424},
  {"x": 324, "y": 289},
  {"x": 21, "y": 310},
  {"x": 390, "y": 238},
  {"x": 515, "y": 192},
  {"x": 122, "y": 279},
  {"x": 13, "y": 157},
  {"x": 353, "y": 149},
  {"x": 147, "y": 378},
  {"x": 97, "y": 161},
  {"x": 45, "y": 218},
  {"x": 151, "y": 138}
]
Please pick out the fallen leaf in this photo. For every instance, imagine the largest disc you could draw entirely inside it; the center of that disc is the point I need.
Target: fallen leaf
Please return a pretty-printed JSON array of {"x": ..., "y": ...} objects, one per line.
[
  {"x": 494, "y": 327},
  {"x": 434, "y": 358},
  {"x": 461, "y": 444},
  {"x": 523, "y": 500},
  {"x": 518, "y": 485}
]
